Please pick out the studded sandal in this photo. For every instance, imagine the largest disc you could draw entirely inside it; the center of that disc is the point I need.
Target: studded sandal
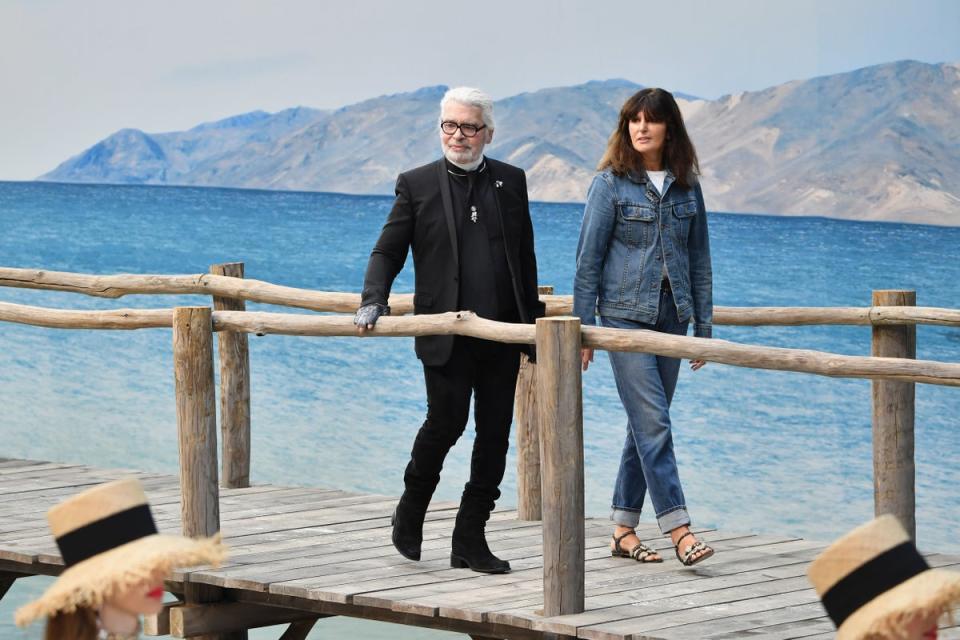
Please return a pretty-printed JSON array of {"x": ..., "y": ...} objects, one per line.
[
  {"x": 640, "y": 552},
  {"x": 688, "y": 559}
]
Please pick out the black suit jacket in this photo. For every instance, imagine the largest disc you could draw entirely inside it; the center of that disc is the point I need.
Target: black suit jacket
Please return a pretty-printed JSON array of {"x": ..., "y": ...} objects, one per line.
[{"x": 422, "y": 220}]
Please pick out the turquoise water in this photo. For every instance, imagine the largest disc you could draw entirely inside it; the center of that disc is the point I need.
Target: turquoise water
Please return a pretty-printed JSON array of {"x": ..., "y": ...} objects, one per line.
[{"x": 758, "y": 450}]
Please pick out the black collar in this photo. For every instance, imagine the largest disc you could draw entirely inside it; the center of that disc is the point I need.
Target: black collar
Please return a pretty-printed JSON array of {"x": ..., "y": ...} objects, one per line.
[{"x": 454, "y": 170}]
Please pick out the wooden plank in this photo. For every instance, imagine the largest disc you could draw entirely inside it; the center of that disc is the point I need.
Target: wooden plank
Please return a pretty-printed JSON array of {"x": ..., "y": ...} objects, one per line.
[
  {"x": 787, "y": 622},
  {"x": 605, "y": 574},
  {"x": 676, "y": 597},
  {"x": 658, "y": 621},
  {"x": 319, "y": 570},
  {"x": 801, "y": 628},
  {"x": 737, "y": 561},
  {"x": 629, "y": 587},
  {"x": 229, "y": 617}
]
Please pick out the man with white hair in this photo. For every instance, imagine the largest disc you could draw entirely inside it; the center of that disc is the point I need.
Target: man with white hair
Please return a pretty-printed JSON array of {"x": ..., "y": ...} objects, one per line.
[{"x": 467, "y": 221}]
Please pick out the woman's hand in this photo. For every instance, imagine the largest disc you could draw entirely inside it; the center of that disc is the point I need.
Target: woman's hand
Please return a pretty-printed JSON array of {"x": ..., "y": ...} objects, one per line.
[
  {"x": 586, "y": 357},
  {"x": 696, "y": 364}
]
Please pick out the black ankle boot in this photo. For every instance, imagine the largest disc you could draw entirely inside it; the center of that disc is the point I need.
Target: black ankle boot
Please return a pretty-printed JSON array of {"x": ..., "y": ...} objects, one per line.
[
  {"x": 470, "y": 550},
  {"x": 407, "y": 524}
]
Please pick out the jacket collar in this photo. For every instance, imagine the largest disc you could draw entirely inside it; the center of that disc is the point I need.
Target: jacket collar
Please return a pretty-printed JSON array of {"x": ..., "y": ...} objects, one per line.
[{"x": 640, "y": 178}]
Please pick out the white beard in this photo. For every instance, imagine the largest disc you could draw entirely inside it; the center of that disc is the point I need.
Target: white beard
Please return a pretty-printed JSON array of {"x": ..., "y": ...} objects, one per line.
[{"x": 457, "y": 159}]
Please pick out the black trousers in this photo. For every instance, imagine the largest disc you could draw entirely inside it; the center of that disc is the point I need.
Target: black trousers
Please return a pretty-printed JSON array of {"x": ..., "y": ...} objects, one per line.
[{"x": 488, "y": 371}]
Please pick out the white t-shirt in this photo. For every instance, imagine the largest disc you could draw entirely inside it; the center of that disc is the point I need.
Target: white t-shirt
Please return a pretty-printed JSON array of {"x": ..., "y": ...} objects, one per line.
[{"x": 657, "y": 178}]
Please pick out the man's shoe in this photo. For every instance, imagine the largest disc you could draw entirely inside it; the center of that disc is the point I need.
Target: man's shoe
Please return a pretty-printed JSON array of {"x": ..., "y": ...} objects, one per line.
[
  {"x": 473, "y": 553},
  {"x": 407, "y": 536}
]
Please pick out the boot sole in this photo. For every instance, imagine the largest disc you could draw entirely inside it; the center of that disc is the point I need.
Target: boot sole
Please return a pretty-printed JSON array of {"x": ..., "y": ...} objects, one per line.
[{"x": 456, "y": 562}]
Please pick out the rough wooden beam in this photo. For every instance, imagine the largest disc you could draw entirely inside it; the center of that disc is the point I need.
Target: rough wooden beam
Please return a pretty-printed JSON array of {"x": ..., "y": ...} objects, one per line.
[
  {"x": 300, "y": 630},
  {"x": 229, "y": 617},
  {"x": 159, "y": 624},
  {"x": 200, "y": 595},
  {"x": 6, "y": 581},
  {"x": 116, "y": 286},
  {"x": 488, "y": 629},
  {"x": 467, "y": 324}
]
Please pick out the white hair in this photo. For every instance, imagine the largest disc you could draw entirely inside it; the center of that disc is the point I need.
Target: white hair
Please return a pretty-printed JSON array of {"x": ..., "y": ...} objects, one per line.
[{"x": 472, "y": 98}]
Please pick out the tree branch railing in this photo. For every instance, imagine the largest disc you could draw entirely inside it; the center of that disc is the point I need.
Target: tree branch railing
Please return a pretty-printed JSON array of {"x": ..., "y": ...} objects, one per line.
[
  {"x": 465, "y": 323},
  {"x": 552, "y": 389},
  {"x": 207, "y": 284}
]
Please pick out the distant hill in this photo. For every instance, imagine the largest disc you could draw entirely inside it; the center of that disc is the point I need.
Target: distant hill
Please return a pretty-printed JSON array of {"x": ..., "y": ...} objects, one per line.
[{"x": 879, "y": 143}]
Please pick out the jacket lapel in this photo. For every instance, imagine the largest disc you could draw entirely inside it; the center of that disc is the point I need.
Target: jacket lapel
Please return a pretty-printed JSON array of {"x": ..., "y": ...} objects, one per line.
[
  {"x": 448, "y": 209},
  {"x": 495, "y": 183}
]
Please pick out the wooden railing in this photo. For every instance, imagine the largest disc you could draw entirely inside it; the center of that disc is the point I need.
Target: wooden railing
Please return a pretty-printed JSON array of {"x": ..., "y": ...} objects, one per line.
[{"x": 549, "y": 394}]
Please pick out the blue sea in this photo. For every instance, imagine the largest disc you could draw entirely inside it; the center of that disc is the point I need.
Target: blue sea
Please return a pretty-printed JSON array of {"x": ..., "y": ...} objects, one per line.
[{"x": 759, "y": 451}]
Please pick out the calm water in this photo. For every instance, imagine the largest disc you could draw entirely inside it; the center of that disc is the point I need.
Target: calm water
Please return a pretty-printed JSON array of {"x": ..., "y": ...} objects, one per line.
[{"x": 758, "y": 451}]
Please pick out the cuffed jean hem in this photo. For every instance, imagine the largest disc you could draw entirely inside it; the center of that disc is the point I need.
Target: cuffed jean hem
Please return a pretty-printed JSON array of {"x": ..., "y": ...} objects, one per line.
[
  {"x": 625, "y": 517},
  {"x": 672, "y": 519}
]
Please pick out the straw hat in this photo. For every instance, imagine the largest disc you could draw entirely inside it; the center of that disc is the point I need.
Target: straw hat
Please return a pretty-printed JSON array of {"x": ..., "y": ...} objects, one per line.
[
  {"x": 873, "y": 582},
  {"x": 109, "y": 542}
]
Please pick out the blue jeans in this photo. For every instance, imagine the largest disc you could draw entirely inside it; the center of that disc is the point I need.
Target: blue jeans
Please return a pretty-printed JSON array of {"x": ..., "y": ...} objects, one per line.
[{"x": 646, "y": 383}]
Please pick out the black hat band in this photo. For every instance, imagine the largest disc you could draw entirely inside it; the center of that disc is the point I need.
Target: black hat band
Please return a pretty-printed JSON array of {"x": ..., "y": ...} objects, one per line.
[
  {"x": 880, "y": 574},
  {"x": 105, "y": 534}
]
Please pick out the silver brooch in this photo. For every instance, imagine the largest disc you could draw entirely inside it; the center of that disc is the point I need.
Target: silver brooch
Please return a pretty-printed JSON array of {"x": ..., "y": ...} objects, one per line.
[{"x": 498, "y": 183}]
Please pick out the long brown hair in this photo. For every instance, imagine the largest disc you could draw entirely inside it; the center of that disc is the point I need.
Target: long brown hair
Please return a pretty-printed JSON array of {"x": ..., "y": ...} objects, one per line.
[
  {"x": 656, "y": 105},
  {"x": 77, "y": 625}
]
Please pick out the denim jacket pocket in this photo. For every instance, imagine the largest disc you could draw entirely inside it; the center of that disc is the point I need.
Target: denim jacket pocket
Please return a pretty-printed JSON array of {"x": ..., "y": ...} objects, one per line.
[
  {"x": 684, "y": 213},
  {"x": 636, "y": 222},
  {"x": 685, "y": 209}
]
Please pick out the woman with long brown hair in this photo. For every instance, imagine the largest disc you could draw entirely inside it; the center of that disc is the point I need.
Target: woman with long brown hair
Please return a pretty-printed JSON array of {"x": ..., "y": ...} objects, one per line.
[{"x": 643, "y": 262}]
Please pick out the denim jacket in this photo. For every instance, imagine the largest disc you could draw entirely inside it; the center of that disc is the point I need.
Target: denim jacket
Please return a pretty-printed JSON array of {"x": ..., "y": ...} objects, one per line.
[{"x": 619, "y": 270}]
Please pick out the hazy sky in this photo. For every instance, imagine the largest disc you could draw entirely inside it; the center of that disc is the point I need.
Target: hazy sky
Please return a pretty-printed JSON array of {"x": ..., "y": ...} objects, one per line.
[{"x": 72, "y": 72}]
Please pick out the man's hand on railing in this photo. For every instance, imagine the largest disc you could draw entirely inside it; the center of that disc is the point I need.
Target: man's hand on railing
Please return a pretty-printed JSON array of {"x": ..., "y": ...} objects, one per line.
[{"x": 368, "y": 314}]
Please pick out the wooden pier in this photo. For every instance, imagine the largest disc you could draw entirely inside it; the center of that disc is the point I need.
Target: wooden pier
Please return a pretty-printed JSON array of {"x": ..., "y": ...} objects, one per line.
[{"x": 299, "y": 554}]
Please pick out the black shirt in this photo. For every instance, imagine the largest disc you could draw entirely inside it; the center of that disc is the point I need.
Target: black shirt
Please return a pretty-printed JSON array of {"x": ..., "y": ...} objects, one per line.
[{"x": 485, "y": 284}]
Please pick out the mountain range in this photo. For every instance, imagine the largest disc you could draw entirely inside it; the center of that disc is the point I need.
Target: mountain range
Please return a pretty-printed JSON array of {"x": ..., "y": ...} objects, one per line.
[{"x": 878, "y": 143}]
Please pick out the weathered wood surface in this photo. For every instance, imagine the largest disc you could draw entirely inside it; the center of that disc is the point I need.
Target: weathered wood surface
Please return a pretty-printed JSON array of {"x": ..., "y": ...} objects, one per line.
[
  {"x": 234, "y": 354},
  {"x": 894, "y": 469},
  {"x": 196, "y": 419},
  {"x": 211, "y": 284},
  {"x": 324, "y": 552},
  {"x": 560, "y": 408}
]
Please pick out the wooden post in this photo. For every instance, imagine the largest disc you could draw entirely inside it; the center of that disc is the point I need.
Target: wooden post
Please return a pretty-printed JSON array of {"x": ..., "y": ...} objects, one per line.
[
  {"x": 196, "y": 420},
  {"x": 528, "y": 438},
  {"x": 560, "y": 403},
  {"x": 234, "y": 353},
  {"x": 894, "y": 472}
]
